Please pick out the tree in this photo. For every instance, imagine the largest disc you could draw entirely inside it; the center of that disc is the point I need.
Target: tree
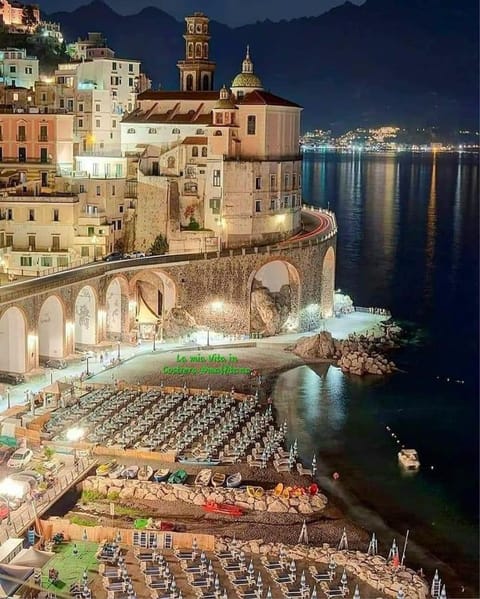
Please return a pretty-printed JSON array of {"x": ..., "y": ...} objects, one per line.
[{"x": 159, "y": 246}]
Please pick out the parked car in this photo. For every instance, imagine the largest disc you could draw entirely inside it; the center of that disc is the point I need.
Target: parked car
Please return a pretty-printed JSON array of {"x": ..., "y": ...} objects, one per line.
[
  {"x": 4, "y": 510},
  {"x": 135, "y": 254},
  {"x": 113, "y": 256},
  {"x": 20, "y": 458},
  {"x": 86, "y": 354},
  {"x": 11, "y": 378},
  {"x": 56, "y": 363},
  {"x": 25, "y": 479},
  {"x": 5, "y": 453}
]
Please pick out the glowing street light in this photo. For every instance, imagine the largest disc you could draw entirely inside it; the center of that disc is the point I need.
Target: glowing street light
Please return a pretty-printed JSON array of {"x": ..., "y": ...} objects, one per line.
[{"x": 75, "y": 434}]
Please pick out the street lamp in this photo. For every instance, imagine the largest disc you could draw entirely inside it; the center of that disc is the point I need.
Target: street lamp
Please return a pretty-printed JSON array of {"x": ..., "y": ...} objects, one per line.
[
  {"x": 94, "y": 248},
  {"x": 118, "y": 351},
  {"x": 8, "y": 398},
  {"x": 88, "y": 372}
]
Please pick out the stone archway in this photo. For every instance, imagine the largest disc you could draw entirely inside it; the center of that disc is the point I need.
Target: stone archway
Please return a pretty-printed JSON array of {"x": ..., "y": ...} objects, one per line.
[
  {"x": 51, "y": 329},
  {"x": 328, "y": 284},
  {"x": 13, "y": 341},
  {"x": 155, "y": 300},
  {"x": 86, "y": 317},
  {"x": 116, "y": 309},
  {"x": 274, "y": 298}
]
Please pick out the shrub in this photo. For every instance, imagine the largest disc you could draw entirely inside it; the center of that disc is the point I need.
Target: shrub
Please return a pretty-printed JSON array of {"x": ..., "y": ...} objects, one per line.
[
  {"x": 88, "y": 496},
  {"x": 83, "y": 521}
]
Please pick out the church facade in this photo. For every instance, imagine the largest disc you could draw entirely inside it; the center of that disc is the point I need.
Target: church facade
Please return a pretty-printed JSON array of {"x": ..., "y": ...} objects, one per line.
[{"x": 216, "y": 169}]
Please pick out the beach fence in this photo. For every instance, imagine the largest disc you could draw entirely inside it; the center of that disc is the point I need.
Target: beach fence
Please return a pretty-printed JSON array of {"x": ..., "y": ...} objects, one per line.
[{"x": 129, "y": 536}]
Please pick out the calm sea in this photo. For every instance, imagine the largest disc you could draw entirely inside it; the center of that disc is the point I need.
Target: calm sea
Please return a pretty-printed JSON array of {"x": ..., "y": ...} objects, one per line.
[{"x": 408, "y": 240}]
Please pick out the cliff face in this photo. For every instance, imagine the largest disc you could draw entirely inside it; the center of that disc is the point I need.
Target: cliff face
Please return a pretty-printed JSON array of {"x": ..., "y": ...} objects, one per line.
[{"x": 269, "y": 310}]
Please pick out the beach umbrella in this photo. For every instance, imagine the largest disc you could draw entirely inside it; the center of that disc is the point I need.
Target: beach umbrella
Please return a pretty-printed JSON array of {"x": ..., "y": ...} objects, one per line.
[
  {"x": 225, "y": 595},
  {"x": 194, "y": 546},
  {"x": 314, "y": 593},
  {"x": 259, "y": 583},
  {"x": 332, "y": 566},
  {"x": 314, "y": 465},
  {"x": 264, "y": 459},
  {"x": 293, "y": 570},
  {"x": 85, "y": 577},
  {"x": 303, "y": 580},
  {"x": 269, "y": 594},
  {"x": 203, "y": 557},
  {"x": 373, "y": 545},
  {"x": 356, "y": 594},
  {"x": 84, "y": 535},
  {"x": 443, "y": 594},
  {"x": 344, "y": 580},
  {"x": 251, "y": 569},
  {"x": 295, "y": 448},
  {"x": 291, "y": 457},
  {"x": 217, "y": 582},
  {"x": 400, "y": 594}
]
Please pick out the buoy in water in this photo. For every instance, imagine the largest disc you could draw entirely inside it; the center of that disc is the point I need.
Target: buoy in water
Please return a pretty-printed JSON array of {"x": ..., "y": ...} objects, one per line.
[{"x": 336, "y": 476}]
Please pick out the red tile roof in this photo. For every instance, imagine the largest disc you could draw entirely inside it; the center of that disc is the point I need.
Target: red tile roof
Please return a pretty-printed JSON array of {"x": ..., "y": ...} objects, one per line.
[
  {"x": 177, "y": 95},
  {"x": 195, "y": 141},
  {"x": 266, "y": 98}
]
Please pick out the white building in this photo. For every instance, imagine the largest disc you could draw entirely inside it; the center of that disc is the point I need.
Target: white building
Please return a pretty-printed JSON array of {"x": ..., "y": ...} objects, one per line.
[
  {"x": 100, "y": 91},
  {"x": 16, "y": 68}
]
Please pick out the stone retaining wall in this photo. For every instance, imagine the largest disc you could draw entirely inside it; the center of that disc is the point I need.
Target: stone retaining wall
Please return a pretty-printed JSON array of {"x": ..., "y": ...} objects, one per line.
[
  {"x": 371, "y": 569},
  {"x": 151, "y": 491}
]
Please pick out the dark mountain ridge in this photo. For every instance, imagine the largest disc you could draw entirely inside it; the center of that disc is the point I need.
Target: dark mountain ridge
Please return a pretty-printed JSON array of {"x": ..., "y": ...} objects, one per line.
[{"x": 411, "y": 62}]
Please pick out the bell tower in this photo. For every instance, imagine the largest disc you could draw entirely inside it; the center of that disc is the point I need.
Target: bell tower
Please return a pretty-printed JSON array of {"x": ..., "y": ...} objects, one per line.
[{"x": 196, "y": 70}]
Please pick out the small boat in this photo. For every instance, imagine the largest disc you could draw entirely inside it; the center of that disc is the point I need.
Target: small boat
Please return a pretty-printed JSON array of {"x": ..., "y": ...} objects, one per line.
[
  {"x": 178, "y": 477},
  {"x": 145, "y": 473},
  {"x": 161, "y": 475},
  {"x": 218, "y": 479},
  {"x": 203, "y": 477},
  {"x": 256, "y": 492},
  {"x": 130, "y": 472},
  {"x": 117, "y": 471},
  {"x": 222, "y": 508},
  {"x": 278, "y": 491},
  {"x": 234, "y": 480},
  {"x": 104, "y": 469},
  {"x": 286, "y": 492},
  {"x": 408, "y": 458}
]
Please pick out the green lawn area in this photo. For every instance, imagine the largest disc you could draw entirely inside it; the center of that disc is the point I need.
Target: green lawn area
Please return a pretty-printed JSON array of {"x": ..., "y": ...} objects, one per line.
[{"x": 71, "y": 567}]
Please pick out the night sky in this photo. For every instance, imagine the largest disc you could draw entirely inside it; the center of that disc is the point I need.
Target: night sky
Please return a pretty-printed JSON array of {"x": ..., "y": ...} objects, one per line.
[{"x": 231, "y": 12}]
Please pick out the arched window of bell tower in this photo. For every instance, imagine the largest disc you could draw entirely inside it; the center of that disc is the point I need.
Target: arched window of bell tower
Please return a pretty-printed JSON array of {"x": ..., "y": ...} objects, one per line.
[
  {"x": 189, "y": 83},
  {"x": 206, "y": 83},
  {"x": 190, "y": 50},
  {"x": 198, "y": 50},
  {"x": 205, "y": 51}
]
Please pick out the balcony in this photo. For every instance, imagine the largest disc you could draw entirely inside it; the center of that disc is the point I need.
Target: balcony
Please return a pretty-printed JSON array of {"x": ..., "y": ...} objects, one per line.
[
  {"x": 18, "y": 160},
  {"x": 43, "y": 138},
  {"x": 21, "y": 138}
]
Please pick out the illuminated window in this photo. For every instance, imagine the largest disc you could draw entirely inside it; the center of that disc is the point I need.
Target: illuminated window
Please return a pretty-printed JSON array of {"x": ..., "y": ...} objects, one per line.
[{"x": 251, "y": 124}]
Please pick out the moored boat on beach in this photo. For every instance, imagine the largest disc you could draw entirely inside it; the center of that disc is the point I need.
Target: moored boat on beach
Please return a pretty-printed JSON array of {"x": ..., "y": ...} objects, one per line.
[
  {"x": 199, "y": 461},
  {"x": 256, "y": 492},
  {"x": 203, "y": 477},
  {"x": 178, "y": 477},
  {"x": 145, "y": 473},
  {"x": 234, "y": 480},
  {"x": 222, "y": 508},
  {"x": 104, "y": 469},
  {"x": 130, "y": 472},
  {"x": 161, "y": 475},
  {"x": 218, "y": 479},
  {"x": 117, "y": 471},
  {"x": 408, "y": 458}
]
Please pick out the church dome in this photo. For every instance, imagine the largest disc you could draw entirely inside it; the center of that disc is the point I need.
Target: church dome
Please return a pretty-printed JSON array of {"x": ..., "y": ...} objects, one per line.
[
  {"x": 247, "y": 77},
  {"x": 247, "y": 80},
  {"x": 224, "y": 102}
]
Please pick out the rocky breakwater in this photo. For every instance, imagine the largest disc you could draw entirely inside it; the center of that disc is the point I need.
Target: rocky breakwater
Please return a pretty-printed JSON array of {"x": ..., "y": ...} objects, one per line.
[
  {"x": 373, "y": 570},
  {"x": 358, "y": 354},
  {"x": 129, "y": 490}
]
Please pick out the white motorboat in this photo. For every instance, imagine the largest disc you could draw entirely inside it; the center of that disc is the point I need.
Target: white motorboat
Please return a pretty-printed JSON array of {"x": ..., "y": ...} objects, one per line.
[
  {"x": 408, "y": 458},
  {"x": 203, "y": 477}
]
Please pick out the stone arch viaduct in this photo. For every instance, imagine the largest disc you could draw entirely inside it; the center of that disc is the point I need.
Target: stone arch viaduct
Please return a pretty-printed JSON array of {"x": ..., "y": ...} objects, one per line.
[{"x": 51, "y": 316}]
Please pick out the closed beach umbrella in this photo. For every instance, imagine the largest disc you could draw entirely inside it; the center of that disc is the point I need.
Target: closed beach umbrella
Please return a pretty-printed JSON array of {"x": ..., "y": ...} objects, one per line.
[
  {"x": 332, "y": 566},
  {"x": 356, "y": 594},
  {"x": 344, "y": 580},
  {"x": 259, "y": 583},
  {"x": 269, "y": 594},
  {"x": 314, "y": 593},
  {"x": 400, "y": 594},
  {"x": 443, "y": 594},
  {"x": 293, "y": 569},
  {"x": 314, "y": 465}
]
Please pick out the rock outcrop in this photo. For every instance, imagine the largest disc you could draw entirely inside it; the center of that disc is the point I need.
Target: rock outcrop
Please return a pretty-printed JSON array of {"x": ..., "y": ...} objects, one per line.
[
  {"x": 269, "y": 310},
  {"x": 358, "y": 354},
  {"x": 371, "y": 569},
  {"x": 129, "y": 490}
]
